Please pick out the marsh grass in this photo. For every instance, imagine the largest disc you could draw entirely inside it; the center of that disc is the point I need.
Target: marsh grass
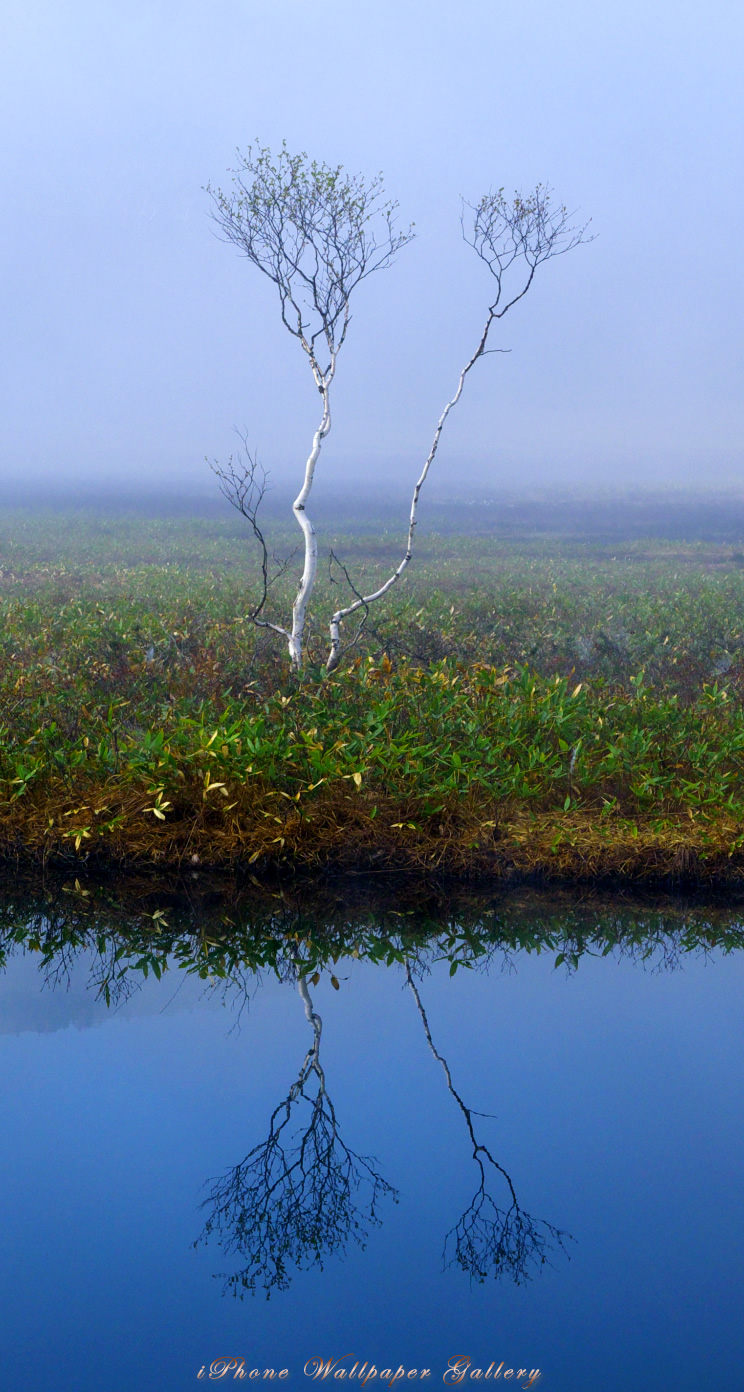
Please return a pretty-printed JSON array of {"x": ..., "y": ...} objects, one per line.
[{"x": 535, "y": 705}]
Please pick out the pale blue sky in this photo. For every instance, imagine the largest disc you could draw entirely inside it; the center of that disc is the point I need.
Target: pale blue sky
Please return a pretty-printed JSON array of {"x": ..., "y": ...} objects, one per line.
[{"x": 134, "y": 340}]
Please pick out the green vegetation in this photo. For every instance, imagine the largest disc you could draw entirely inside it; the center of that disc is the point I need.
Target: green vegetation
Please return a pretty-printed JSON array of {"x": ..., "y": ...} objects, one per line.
[{"x": 534, "y": 705}]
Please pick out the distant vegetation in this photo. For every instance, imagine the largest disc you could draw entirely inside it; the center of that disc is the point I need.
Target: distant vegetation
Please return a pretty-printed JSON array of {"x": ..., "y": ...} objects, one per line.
[{"x": 528, "y": 705}]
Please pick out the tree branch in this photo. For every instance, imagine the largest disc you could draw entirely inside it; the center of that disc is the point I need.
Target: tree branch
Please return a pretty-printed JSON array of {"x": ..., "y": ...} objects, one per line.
[
  {"x": 316, "y": 233},
  {"x": 292, "y": 1201},
  {"x": 243, "y": 484},
  {"x": 489, "y": 1240},
  {"x": 528, "y": 230}
]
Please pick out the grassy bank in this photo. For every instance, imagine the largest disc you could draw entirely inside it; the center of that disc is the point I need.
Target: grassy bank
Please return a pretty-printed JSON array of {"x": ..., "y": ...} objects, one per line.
[{"x": 533, "y": 708}]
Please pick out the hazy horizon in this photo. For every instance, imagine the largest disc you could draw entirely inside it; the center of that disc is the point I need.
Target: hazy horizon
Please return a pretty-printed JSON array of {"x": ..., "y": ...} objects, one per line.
[{"x": 135, "y": 341}]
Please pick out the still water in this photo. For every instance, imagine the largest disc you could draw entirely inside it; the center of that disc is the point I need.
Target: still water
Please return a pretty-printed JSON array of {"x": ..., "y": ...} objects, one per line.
[{"x": 530, "y": 1166}]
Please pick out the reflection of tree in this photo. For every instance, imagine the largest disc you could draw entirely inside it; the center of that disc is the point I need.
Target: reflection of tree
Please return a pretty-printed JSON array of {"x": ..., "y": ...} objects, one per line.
[
  {"x": 301, "y": 1194},
  {"x": 488, "y": 1239}
]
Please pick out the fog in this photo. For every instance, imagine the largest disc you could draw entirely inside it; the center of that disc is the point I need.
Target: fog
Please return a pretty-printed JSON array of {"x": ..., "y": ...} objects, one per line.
[{"x": 135, "y": 341}]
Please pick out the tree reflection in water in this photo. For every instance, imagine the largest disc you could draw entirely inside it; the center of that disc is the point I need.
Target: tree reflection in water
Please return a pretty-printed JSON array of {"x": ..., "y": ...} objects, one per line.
[
  {"x": 303, "y": 1194},
  {"x": 299, "y": 1195},
  {"x": 487, "y": 1239}
]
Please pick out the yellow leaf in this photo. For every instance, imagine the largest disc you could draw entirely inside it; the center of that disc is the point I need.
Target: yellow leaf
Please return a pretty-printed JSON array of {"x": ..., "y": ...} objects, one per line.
[
  {"x": 577, "y": 689},
  {"x": 357, "y": 779},
  {"x": 334, "y": 983}
]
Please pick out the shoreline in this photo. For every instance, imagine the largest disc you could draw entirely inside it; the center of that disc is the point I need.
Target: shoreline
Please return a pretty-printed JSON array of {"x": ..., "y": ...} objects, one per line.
[{"x": 485, "y": 844}]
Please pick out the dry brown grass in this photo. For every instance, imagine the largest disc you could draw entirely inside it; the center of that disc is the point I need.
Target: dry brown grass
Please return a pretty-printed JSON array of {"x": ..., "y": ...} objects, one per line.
[{"x": 266, "y": 830}]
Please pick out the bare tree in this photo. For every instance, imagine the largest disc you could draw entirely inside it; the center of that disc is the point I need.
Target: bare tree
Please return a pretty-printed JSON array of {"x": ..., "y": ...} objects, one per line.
[
  {"x": 316, "y": 232},
  {"x": 244, "y": 484},
  {"x": 489, "y": 1239},
  {"x": 512, "y": 239},
  {"x": 295, "y": 1196}
]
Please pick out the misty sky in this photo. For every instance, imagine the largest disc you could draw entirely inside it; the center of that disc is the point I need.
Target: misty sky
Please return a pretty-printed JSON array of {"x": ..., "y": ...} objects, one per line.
[{"x": 134, "y": 341}]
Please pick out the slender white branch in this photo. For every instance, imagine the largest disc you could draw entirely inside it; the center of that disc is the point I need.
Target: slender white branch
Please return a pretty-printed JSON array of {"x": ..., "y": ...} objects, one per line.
[
  {"x": 528, "y": 231},
  {"x": 363, "y": 601},
  {"x": 310, "y": 568}
]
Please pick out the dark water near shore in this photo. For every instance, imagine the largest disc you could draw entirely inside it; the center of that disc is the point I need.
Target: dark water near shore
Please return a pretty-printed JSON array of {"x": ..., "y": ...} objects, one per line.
[{"x": 615, "y": 1098}]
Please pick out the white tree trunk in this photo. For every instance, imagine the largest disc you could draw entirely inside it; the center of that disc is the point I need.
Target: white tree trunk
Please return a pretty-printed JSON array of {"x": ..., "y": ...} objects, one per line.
[{"x": 307, "y": 583}]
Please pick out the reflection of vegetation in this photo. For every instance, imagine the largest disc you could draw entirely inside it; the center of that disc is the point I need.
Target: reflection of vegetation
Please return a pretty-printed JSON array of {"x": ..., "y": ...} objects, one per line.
[
  {"x": 488, "y": 1240},
  {"x": 227, "y": 931},
  {"x": 302, "y": 1194},
  {"x": 295, "y": 1198}
]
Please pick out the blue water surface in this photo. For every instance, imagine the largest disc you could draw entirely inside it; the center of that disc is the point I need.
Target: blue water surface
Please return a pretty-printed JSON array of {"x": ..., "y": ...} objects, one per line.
[{"x": 617, "y": 1094}]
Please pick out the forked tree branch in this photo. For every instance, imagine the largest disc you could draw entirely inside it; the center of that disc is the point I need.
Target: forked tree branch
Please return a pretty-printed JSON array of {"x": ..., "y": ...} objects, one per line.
[
  {"x": 488, "y": 1239},
  {"x": 521, "y": 234},
  {"x": 315, "y": 231},
  {"x": 243, "y": 484},
  {"x": 297, "y": 1196}
]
